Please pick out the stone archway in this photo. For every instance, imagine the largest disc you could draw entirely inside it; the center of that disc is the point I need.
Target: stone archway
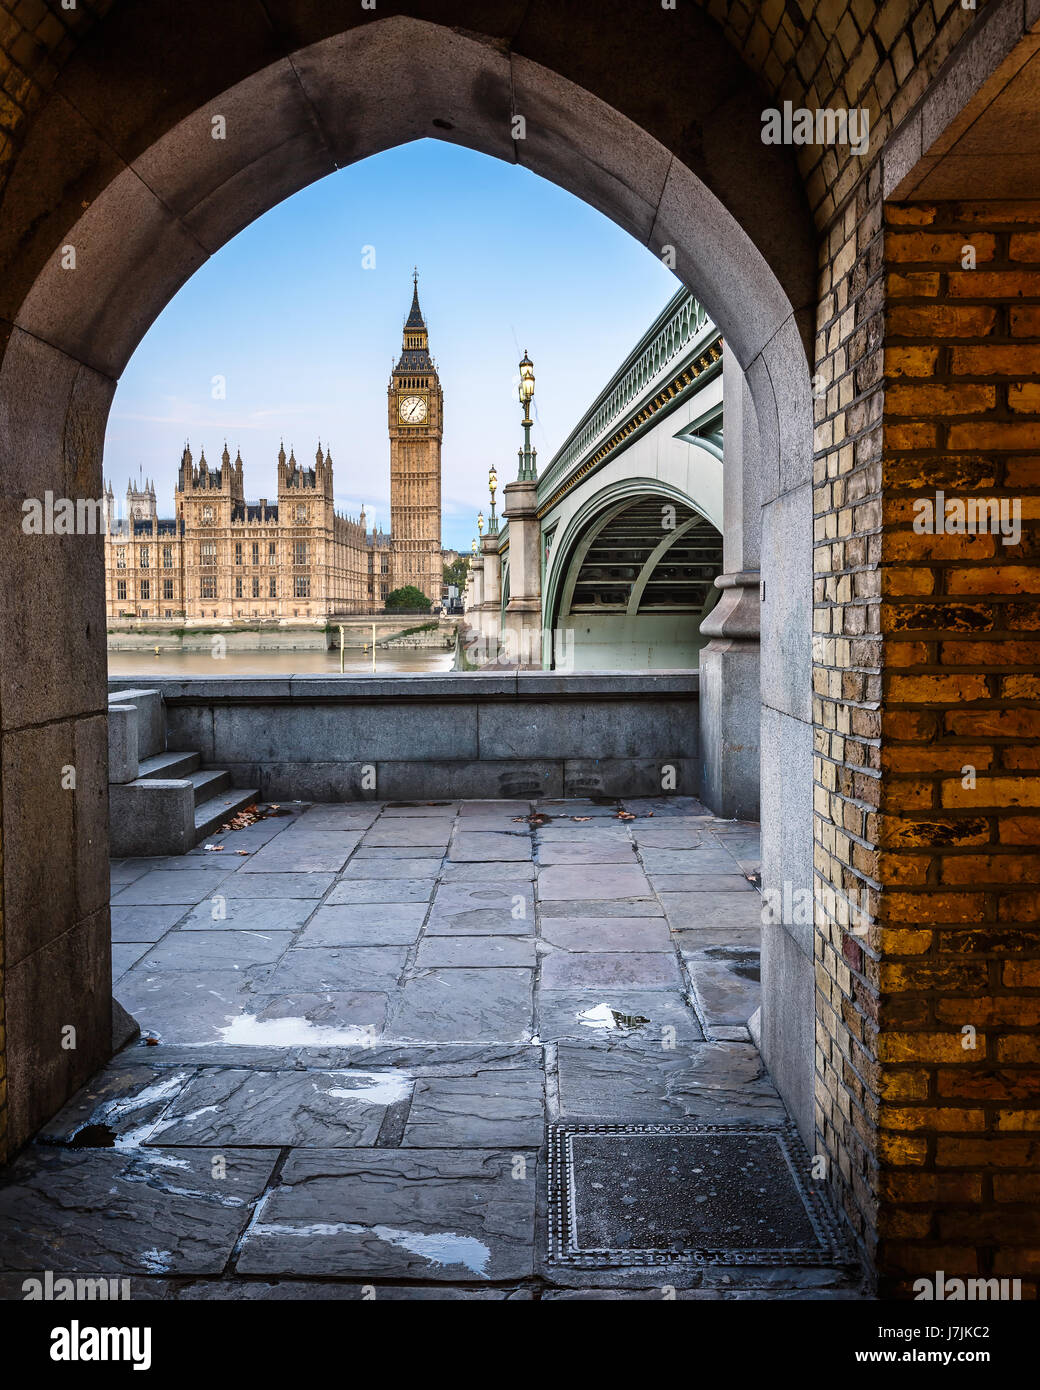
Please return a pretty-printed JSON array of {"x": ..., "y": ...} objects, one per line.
[{"x": 143, "y": 205}]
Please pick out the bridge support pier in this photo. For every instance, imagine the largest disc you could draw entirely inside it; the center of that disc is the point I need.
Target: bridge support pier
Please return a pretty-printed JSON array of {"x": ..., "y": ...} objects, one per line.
[
  {"x": 523, "y": 617},
  {"x": 730, "y": 698}
]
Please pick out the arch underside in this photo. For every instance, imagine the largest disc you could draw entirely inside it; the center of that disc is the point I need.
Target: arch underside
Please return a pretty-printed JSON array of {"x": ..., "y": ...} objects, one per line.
[{"x": 146, "y": 197}]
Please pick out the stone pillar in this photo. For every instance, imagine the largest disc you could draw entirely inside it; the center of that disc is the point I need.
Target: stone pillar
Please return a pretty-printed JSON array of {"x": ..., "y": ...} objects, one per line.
[
  {"x": 523, "y": 617},
  {"x": 491, "y": 617},
  {"x": 730, "y": 710}
]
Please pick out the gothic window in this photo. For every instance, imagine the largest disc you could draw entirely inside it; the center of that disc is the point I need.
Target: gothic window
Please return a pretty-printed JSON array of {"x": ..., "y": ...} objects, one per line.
[
  {"x": 238, "y": 586},
  {"x": 272, "y": 587},
  {"x": 142, "y": 556},
  {"x": 208, "y": 553},
  {"x": 256, "y": 552},
  {"x": 167, "y": 585},
  {"x": 272, "y": 553},
  {"x": 302, "y": 586},
  {"x": 146, "y": 589},
  {"x": 209, "y": 586},
  {"x": 121, "y": 557},
  {"x": 120, "y": 588},
  {"x": 238, "y": 552},
  {"x": 167, "y": 557},
  {"x": 256, "y": 586},
  {"x": 299, "y": 552},
  {"x": 207, "y": 516},
  {"x": 301, "y": 511}
]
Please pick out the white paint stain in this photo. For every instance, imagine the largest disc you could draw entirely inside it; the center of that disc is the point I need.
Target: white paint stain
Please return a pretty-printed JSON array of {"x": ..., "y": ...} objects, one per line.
[
  {"x": 375, "y": 1087},
  {"x": 291, "y": 1032},
  {"x": 602, "y": 1016}
]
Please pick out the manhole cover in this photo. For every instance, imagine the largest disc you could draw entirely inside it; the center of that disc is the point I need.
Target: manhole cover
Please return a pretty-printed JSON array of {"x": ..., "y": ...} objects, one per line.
[{"x": 694, "y": 1194}]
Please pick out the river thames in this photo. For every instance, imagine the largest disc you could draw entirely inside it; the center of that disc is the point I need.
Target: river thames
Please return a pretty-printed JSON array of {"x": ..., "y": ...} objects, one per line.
[{"x": 300, "y": 663}]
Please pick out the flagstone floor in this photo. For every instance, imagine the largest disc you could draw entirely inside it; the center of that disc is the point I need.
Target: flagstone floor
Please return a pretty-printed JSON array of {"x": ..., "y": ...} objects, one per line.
[{"x": 357, "y": 1022}]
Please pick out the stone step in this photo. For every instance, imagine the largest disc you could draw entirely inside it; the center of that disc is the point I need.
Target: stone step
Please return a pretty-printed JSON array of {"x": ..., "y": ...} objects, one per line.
[
  {"x": 168, "y": 765},
  {"x": 212, "y": 814},
  {"x": 208, "y": 783}
]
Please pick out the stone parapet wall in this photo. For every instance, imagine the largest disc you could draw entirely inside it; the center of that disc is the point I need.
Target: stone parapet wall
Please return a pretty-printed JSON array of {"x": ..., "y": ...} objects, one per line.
[{"x": 321, "y": 738}]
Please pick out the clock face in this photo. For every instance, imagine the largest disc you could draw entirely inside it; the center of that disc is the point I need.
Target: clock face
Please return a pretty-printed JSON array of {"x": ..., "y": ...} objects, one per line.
[{"x": 412, "y": 409}]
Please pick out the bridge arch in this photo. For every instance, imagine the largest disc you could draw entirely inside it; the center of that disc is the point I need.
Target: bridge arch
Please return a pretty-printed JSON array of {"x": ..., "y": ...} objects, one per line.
[{"x": 639, "y": 520}]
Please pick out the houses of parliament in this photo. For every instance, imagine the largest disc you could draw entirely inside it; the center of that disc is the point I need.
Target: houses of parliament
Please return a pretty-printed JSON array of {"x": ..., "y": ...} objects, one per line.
[{"x": 294, "y": 557}]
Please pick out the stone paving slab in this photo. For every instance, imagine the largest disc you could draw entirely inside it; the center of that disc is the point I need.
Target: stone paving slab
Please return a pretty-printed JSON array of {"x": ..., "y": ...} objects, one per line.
[
  {"x": 608, "y": 934},
  {"x": 478, "y": 922},
  {"x": 459, "y": 951},
  {"x": 688, "y": 911},
  {"x": 126, "y": 1101},
  {"x": 471, "y": 810},
  {"x": 483, "y": 847},
  {"x": 311, "y": 856},
  {"x": 125, "y": 955},
  {"x": 611, "y": 970},
  {"x": 688, "y": 861},
  {"x": 430, "y": 835},
  {"x": 495, "y": 824},
  {"x": 185, "y": 1005},
  {"x": 173, "y": 886},
  {"x": 364, "y": 866},
  {"x": 344, "y": 1017},
  {"x": 432, "y": 1215},
  {"x": 164, "y": 1211},
  {"x": 323, "y": 967},
  {"x": 461, "y": 1004},
  {"x": 249, "y": 914},
  {"x": 642, "y": 1080},
  {"x": 512, "y": 871},
  {"x": 501, "y": 1109},
  {"x": 560, "y": 882},
  {"x": 604, "y": 907},
  {"x": 558, "y": 1010},
  {"x": 239, "y": 1106},
  {"x": 282, "y": 885},
  {"x": 725, "y": 983},
  {"x": 593, "y": 851},
  {"x": 364, "y": 924},
  {"x": 380, "y": 890},
  {"x": 356, "y": 816},
  {"x": 701, "y": 883},
  {"x": 216, "y": 950}
]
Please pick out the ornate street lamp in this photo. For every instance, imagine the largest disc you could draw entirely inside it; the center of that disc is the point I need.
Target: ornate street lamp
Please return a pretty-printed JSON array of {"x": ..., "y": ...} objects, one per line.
[
  {"x": 480, "y": 524},
  {"x": 492, "y": 487},
  {"x": 528, "y": 456}
]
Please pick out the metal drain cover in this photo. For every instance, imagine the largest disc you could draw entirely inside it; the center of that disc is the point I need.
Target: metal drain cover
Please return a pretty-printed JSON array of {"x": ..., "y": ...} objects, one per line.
[{"x": 693, "y": 1194}]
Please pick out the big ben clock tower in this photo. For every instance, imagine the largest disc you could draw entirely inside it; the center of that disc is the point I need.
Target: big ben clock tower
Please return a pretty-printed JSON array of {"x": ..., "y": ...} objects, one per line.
[{"x": 416, "y": 427}]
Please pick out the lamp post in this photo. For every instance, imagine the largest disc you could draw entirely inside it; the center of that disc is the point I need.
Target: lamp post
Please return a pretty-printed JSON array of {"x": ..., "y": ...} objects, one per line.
[
  {"x": 492, "y": 488},
  {"x": 528, "y": 471}
]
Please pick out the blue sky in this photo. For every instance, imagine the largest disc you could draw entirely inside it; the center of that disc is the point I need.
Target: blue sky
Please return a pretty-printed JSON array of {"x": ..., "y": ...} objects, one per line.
[{"x": 306, "y": 337}]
